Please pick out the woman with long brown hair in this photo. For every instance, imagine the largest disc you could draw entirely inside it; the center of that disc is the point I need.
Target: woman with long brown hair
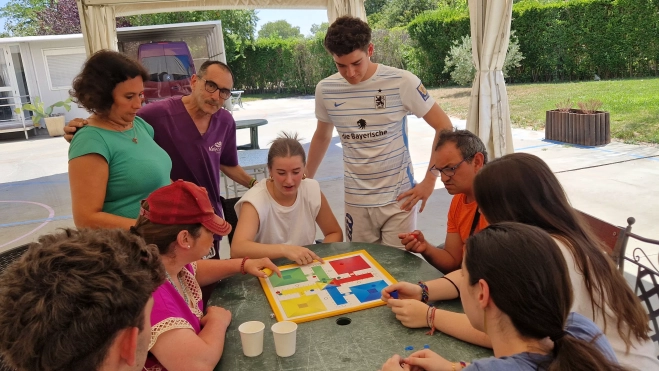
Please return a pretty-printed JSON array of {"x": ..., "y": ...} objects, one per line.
[
  {"x": 515, "y": 288},
  {"x": 520, "y": 187}
]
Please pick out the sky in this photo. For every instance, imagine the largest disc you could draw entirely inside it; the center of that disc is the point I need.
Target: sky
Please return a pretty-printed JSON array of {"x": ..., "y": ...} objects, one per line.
[
  {"x": 297, "y": 17},
  {"x": 301, "y": 18}
]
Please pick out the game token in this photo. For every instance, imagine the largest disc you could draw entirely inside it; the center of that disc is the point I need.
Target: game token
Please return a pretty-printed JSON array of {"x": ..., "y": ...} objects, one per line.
[
  {"x": 267, "y": 271},
  {"x": 394, "y": 294}
]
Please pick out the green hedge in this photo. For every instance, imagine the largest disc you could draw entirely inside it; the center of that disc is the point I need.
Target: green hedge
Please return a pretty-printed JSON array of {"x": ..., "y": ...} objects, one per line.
[
  {"x": 282, "y": 65},
  {"x": 565, "y": 41}
]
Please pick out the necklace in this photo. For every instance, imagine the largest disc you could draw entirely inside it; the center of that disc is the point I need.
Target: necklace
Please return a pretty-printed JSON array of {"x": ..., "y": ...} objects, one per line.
[
  {"x": 184, "y": 294},
  {"x": 134, "y": 134},
  {"x": 134, "y": 138}
]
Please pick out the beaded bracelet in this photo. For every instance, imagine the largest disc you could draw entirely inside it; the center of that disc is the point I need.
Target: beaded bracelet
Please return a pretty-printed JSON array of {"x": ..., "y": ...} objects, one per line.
[
  {"x": 242, "y": 265},
  {"x": 431, "y": 320},
  {"x": 424, "y": 292}
]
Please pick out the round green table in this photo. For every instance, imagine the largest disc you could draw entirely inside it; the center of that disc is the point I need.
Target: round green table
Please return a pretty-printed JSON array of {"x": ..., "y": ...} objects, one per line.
[{"x": 366, "y": 343}]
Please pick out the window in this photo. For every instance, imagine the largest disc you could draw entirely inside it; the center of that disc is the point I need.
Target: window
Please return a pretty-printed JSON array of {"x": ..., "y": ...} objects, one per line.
[{"x": 62, "y": 65}]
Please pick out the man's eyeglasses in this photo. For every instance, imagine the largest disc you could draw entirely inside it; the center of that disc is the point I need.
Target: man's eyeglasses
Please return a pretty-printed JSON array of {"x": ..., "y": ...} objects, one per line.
[
  {"x": 212, "y": 87},
  {"x": 448, "y": 171}
]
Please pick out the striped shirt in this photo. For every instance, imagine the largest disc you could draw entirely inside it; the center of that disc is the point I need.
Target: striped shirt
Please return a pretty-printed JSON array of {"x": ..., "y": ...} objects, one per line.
[{"x": 371, "y": 119}]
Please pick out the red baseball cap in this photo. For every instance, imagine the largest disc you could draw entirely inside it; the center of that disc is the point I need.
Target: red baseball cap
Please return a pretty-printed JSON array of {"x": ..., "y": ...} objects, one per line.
[{"x": 184, "y": 203}]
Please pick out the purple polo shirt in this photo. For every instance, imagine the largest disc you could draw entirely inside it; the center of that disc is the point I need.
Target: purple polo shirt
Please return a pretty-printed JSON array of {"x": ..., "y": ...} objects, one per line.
[{"x": 195, "y": 158}]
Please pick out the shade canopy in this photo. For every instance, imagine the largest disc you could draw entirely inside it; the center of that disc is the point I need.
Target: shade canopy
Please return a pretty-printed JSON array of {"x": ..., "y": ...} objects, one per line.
[
  {"x": 489, "y": 113},
  {"x": 97, "y": 17}
]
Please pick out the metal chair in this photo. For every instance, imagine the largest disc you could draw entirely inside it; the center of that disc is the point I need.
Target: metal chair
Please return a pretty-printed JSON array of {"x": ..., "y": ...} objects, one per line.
[
  {"x": 6, "y": 258},
  {"x": 255, "y": 163},
  {"x": 647, "y": 280},
  {"x": 614, "y": 237}
]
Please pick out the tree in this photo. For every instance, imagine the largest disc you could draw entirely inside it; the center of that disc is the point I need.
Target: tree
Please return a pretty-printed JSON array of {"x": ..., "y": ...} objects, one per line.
[
  {"x": 397, "y": 13},
  {"x": 21, "y": 16},
  {"x": 279, "y": 29},
  {"x": 62, "y": 18},
  {"x": 316, "y": 28},
  {"x": 374, "y": 6}
]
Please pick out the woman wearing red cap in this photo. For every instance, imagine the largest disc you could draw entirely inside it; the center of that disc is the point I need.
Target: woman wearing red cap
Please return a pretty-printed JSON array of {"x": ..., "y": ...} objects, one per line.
[
  {"x": 180, "y": 220},
  {"x": 278, "y": 217}
]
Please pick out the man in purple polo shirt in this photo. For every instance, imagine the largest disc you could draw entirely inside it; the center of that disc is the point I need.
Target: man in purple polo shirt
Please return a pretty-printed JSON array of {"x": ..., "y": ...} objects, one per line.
[{"x": 198, "y": 135}]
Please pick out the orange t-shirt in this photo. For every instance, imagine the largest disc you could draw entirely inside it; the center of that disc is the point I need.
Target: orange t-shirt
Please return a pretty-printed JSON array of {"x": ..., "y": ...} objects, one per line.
[{"x": 461, "y": 217}]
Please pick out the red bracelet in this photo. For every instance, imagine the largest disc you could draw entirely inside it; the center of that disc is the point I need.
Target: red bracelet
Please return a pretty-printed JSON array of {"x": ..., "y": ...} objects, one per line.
[{"x": 242, "y": 265}]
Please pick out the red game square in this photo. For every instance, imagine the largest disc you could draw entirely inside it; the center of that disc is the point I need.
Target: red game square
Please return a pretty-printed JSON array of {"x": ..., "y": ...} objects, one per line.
[{"x": 349, "y": 265}]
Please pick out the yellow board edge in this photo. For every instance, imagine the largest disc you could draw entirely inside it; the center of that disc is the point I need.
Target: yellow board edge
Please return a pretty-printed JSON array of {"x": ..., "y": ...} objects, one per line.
[{"x": 280, "y": 316}]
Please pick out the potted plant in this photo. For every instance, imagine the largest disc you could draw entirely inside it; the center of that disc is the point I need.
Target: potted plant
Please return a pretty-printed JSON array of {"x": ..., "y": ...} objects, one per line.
[
  {"x": 585, "y": 126},
  {"x": 54, "y": 123}
]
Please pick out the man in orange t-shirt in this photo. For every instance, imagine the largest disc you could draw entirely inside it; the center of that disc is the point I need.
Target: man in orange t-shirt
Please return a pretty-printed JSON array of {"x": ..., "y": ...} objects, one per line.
[{"x": 459, "y": 155}]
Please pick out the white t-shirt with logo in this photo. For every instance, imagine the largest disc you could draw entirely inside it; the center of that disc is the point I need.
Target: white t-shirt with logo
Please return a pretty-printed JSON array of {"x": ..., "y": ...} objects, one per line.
[{"x": 371, "y": 119}]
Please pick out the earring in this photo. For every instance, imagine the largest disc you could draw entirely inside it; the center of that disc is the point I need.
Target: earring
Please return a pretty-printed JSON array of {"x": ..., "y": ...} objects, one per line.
[
  {"x": 188, "y": 246},
  {"x": 484, "y": 320}
]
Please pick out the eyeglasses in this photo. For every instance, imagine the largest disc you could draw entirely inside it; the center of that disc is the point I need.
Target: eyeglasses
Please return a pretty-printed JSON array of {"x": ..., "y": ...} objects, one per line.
[
  {"x": 448, "y": 171},
  {"x": 212, "y": 87}
]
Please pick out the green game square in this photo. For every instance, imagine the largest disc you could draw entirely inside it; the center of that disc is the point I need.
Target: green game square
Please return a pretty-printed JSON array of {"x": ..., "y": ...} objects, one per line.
[{"x": 288, "y": 277}]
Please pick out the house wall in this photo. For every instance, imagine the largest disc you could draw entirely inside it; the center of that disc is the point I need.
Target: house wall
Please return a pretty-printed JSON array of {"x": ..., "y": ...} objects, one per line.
[{"x": 34, "y": 62}]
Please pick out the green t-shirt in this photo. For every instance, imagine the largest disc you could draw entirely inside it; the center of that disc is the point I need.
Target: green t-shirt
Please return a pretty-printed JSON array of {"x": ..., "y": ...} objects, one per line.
[{"x": 136, "y": 169}]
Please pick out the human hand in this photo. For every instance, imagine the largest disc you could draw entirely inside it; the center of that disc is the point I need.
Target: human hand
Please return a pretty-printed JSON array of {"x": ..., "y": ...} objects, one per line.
[
  {"x": 394, "y": 364},
  {"x": 420, "y": 192},
  {"x": 300, "y": 255},
  {"x": 414, "y": 241},
  {"x": 428, "y": 360},
  {"x": 219, "y": 314},
  {"x": 255, "y": 267},
  {"x": 71, "y": 128},
  {"x": 405, "y": 290},
  {"x": 411, "y": 313}
]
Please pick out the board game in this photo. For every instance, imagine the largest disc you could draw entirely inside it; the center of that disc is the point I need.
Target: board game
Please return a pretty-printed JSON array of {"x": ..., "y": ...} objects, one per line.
[{"x": 344, "y": 283}]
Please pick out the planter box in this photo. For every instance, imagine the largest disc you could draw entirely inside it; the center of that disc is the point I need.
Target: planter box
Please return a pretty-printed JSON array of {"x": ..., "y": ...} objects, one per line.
[
  {"x": 55, "y": 125},
  {"x": 574, "y": 127}
]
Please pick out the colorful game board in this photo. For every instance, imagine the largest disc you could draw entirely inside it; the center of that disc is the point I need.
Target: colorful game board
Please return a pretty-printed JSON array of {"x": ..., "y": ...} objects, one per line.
[{"x": 344, "y": 283}]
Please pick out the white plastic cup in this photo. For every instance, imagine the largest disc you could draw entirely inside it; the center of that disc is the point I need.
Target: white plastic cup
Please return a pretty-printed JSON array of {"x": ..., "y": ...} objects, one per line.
[
  {"x": 251, "y": 336},
  {"x": 285, "y": 333}
]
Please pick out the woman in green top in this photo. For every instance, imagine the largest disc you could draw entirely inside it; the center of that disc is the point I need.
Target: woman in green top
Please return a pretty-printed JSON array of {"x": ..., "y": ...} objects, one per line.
[{"x": 113, "y": 161}]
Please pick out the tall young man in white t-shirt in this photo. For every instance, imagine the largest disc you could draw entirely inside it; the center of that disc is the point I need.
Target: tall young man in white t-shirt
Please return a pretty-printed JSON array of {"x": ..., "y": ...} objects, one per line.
[{"x": 368, "y": 104}]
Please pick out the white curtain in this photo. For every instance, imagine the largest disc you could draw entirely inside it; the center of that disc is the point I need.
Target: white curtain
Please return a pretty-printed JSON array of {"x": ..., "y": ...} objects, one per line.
[
  {"x": 339, "y": 8},
  {"x": 489, "y": 113},
  {"x": 99, "y": 27}
]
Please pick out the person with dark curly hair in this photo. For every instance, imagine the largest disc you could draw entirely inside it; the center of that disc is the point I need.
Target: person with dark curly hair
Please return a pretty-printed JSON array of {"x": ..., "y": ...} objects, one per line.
[
  {"x": 114, "y": 163},
  {"x": 197, "y": 134},
  {"x": 80, "y": 300},
  {"x": 368, "y": 104}
]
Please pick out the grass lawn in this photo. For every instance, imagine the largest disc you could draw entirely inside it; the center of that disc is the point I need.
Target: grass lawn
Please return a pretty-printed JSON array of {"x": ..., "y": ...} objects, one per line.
[{"x": 633, "y": 104}]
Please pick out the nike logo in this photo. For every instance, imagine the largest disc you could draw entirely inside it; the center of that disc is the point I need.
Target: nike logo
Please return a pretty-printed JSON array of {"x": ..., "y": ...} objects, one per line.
[{"x": 338, "y": 104}]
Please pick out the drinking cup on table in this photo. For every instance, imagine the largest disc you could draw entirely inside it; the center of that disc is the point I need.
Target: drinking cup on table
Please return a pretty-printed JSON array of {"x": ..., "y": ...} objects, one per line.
[
  {"x": 251, "y": 336},
  {"x": 285, "y": 333}
]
